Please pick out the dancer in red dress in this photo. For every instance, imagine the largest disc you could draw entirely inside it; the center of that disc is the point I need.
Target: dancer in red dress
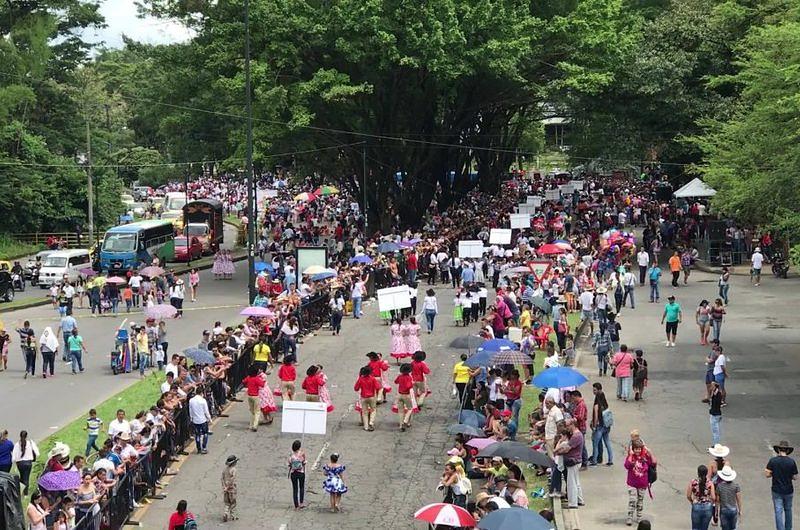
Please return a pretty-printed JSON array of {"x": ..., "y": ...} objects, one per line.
[
  {"x": 378, "y": 367},
  {"x": 419, "y": 369},
  {"x": 369, "y": 388},
  {"x": 406, "y": 404}
]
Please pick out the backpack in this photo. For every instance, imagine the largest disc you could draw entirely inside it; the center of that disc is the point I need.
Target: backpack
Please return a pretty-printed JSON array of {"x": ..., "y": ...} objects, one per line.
[
  {"x": 190, "y": 523},
  {"x": 604, "y": 342},
  {"x": 608, "y": 418}
]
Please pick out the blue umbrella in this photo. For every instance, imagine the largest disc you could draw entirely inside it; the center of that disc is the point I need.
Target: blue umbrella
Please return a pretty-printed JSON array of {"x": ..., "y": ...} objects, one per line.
[
  {"x": 471, "y": 418},
  {"x": 514, "y": 518},
  {"x": 559, "y": 377},
  {"x": 481, "y": 358},
  {"x": 496, "y": 345},
  {"x": 323, "y": 276},
  {"x": 199, "y": 355},
  {"x": 261, "y": 266},
  {"x": 388, "y": 247},
  {"x": 361, "y": 259}
]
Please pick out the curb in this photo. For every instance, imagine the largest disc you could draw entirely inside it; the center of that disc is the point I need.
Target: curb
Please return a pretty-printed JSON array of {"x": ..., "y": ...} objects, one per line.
[{"x": 36, "y": 303}]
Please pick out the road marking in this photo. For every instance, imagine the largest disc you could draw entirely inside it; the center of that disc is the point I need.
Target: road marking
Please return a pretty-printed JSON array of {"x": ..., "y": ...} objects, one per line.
[
  {"x": 315, "y": 465},
  {"x": 107, "y": 315}
]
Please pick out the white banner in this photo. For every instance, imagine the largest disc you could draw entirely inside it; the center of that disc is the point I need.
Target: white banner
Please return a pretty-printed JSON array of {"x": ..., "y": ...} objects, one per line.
[
  {"x": 552, "y": 195},
  {"x": 500, "y": 236},
  {"x": 470, "y": 249},
  {"x": 529, "y": 209},
  {"x": 393, "y": 298},
  {"x": 577, "y": 184},
  {"x": 520, "y": 220},
  {"x": 304, "y": 417},
  {"x": 566, "y": 189}
]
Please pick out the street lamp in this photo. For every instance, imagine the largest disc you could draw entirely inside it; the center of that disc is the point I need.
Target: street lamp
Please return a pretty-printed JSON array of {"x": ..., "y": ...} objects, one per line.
[{"x": 251, "y": 196}]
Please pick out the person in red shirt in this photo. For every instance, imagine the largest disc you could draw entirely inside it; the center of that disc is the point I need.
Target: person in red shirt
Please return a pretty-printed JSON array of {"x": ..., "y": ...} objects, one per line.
[
  {"x": 411, "y": 266},
  {"x": 312, "y": 382},
  {"x": 369, "y": 388},
  {"x": 580, "y": 413},
  {"x": 405, "y": 401},
  {"x": 419, "y": 369},
  {"x": 513, "y": 392},
  {"x": 253, "y": 382},
  {"x": 287, "y": 375},
  {"x": 177, "y": 520},
  {"x": 377, "y": 366}
]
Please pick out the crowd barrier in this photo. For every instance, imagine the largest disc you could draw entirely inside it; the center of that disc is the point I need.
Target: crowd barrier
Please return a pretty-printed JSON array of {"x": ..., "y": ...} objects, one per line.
[{"x": 141, "y": 478}]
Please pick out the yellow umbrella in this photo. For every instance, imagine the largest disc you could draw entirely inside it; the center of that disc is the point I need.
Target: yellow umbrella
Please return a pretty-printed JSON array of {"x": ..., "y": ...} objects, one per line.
[{"x": 304, "y": 197}]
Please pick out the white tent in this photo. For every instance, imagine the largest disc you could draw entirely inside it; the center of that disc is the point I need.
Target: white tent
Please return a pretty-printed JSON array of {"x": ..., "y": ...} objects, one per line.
[{"x": 695, "y": 188}]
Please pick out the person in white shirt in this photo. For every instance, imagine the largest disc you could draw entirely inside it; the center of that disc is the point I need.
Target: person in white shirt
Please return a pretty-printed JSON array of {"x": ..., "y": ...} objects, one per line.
[
  {"x": 24, "y": 453},
  {"x": 200, "y": 416},
  {"x": 756, "y": 262},
  {"x": 587, "y": 305},
  {"x": 135, "y": 281},
  {"x": 172, "y": 366},
  {"x": 431, "y": 308},
  {"x": 166, "y": 385},
  {"x": 118, "y": 425},
  {"x": 126, "y": 451},
  {"x": 628, "y": 284},
  {"x": 176, "y": 295},
  {"x": 643, "y": 259},
  {"x": 356, "y": 295}
]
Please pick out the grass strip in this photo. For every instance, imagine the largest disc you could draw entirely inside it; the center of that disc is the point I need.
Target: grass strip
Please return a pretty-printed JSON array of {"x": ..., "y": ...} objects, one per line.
[{"x": 11, "y": 249}]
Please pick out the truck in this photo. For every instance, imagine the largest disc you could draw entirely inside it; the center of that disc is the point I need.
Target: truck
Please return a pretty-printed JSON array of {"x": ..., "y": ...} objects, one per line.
[{"x": 203, "y": 219}]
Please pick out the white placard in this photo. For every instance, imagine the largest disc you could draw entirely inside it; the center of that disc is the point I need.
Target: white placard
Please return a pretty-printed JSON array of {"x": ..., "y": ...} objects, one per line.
[
  {"x": 270, "y": 193},
  {"x": 520, "y": 220},
  {"x": 552, "y": 195},
  {"x": 529, "y": 209},
  {"x": 392, "y": 298},
  {"x": 577, "y": 184},
  {"x": 567, "y": 189},
  {"x": 304, "y": 417},
  {"x": 515, "y": 334},
  {"x": 470, "y": 249},
  {"x": 531, "y": 199},
  {"x": 500, "y": 236}
]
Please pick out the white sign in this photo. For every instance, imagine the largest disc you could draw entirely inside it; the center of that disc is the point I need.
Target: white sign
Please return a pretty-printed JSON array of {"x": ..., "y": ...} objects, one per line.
[
  {"x": 500, "y": 236},
  {"x": 577, "y": 184},
  {"x": 552, "y": 195},
  {"x": 270, "y": 193},
  {"x": 515, "y": 334},
  {"x": 567, "y": 189},
  {"x": 470, "y": 249},
  {"x": 393, "y": 298},
  {"x": 520, "y": 220},
  {"x": 304, "y": 417},
  {"x": 529, "y": 209}
]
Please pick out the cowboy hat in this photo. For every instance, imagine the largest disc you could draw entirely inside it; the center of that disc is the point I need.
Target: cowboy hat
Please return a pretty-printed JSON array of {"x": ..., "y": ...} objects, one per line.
[
  {"x": 601, "y": 290},
  {"x": 784, "y": 446},
  {"x": 124, "y": 436},
  {"x": 561, "y": 299},
  {"x": 231, "y": 460},
  {"x": 59, "y": 449},
  {"x": 727, "y": 474},
  {"x": 719, "y": 451}
]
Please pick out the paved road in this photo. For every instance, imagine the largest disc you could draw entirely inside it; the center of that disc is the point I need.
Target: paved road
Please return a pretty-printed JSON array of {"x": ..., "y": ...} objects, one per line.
[
  {"x": 65, "y": 397},
  {"x": 390, "y": 474},
  {"x": 32, "y": 292},
  {"x": 761, "y": 337}
]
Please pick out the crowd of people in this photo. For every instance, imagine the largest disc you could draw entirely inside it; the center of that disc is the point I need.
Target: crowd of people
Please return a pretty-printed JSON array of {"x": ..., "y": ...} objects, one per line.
[{"x": 579, "y": 261}]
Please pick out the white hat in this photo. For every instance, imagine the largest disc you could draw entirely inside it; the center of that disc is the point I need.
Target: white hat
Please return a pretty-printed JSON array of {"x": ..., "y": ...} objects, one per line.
[
  {"x": 757, "y": 249},
  {"x": 727, "y": 474},
  {"x": 61, "y": 449},
  {"x": 601, "y": 290},
  {"x": 719, "y": 451}
]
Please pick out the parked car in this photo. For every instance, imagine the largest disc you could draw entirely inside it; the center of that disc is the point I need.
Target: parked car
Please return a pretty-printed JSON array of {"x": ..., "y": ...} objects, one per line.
[
  {"x": 187, "y": 249},
  {"x": 142, "y": 193}
]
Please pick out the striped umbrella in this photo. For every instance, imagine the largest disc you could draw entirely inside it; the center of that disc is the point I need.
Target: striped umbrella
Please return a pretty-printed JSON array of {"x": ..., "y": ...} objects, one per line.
[
  {"x": 511, "y": 357},
  {"x": 304, "y": 197},
  {"x": 440, "y": 513},
  {"x": 324, "y": 191}
]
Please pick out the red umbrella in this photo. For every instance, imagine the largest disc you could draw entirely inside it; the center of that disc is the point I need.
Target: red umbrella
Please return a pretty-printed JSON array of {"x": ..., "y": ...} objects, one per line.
[
  {"x": 550, "y": 248},
  {"x": 447, "y": 514}
]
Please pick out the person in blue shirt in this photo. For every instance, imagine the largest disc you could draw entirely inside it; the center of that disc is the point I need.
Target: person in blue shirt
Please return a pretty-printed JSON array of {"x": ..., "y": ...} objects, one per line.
[
  {"x": 654, "y": 274},
  {"x": 673, "y": 316}
]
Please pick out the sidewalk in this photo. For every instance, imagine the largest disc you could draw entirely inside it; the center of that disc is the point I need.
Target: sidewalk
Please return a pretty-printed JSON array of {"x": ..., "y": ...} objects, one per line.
[{"x": 390, "y": 474}]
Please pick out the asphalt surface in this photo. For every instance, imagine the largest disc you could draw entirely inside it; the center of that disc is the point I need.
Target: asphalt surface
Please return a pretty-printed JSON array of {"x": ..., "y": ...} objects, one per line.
[
  {"x": 759, "y": 335},
  {"x": 63, "y": 398},
  {"x": 389, "y": 474}
]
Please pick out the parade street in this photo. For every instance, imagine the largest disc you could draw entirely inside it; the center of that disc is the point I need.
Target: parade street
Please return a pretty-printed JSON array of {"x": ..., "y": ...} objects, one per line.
[
  {"x": 760, "y": 337},
  {"x": 61, "y": 399},
  {"x": 390, "y": 473}
]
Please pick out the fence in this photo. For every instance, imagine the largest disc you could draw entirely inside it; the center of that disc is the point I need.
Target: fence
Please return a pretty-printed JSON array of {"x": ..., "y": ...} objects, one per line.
[
  {"x": 140, "y": 479},
  {"x": 69, "y": 239}
]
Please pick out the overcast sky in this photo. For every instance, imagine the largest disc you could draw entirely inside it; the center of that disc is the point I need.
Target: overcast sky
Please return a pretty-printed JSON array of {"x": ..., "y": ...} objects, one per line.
[{"x": 121, "y": 19}]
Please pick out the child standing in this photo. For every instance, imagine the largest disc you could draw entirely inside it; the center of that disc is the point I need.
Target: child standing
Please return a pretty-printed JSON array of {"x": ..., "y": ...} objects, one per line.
[
  {"x": 334, "y": 482},
  {"x": 229, "y": 489},
  {"x": 93, "y": 426},
  {"x": 287, "y": 375},
  {"x": 127, "y": 297}
]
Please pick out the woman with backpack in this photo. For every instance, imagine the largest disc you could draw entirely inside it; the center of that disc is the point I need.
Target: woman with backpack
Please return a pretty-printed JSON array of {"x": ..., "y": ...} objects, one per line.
[
  {"x": 639, "y": 375},
  {"x": 601, "y": 343},
  {"x": 182, "y": 519},
  {"x": 602, "y": 420},
  {"x": 638, "y": 462}
]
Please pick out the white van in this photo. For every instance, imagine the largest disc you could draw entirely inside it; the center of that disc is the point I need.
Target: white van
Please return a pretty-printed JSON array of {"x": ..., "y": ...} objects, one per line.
[
  {"x": 63, "y": 263},
  {"x": 174, "y": 201}
]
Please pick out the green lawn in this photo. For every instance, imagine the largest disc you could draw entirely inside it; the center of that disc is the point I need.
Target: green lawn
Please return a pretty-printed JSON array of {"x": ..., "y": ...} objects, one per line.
[
  {"x": 530, "y": 400},
  {"x": 139, "y": 396},
  {"x": 11, "y": 249},
  {"x": 233, "y": 219}
]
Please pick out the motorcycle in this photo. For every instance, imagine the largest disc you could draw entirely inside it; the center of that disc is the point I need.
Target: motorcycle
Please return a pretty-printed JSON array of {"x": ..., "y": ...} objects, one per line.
[
  {"x": 17, "y": 281},
  {"x": 780, "y": 265}
]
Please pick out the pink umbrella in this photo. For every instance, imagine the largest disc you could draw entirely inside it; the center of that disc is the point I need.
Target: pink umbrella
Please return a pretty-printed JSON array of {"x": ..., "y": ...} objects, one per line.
[
  {"x": 160, "y": 311},
  {"x": 151, "y": 272},
  {"x": 481, "y": 443},
  {"x": 548, "y": 249},
  {"x": 88, "y": 271},
  {"x": 116, "y": 279},
  {"x": 256, "y": 311},
  {"x": 445, "y": 514}
]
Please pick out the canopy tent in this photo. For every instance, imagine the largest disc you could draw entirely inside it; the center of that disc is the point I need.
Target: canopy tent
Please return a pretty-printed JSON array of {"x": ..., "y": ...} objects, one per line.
[{"x": 695, "y": 188}]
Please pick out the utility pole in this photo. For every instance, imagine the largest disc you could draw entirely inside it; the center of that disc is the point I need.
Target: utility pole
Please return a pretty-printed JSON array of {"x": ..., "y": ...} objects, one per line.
[
  {"x": 364, "y": 185},
  {"x": 89, "y": 191},
  {"x": 251, "y": 198}
]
